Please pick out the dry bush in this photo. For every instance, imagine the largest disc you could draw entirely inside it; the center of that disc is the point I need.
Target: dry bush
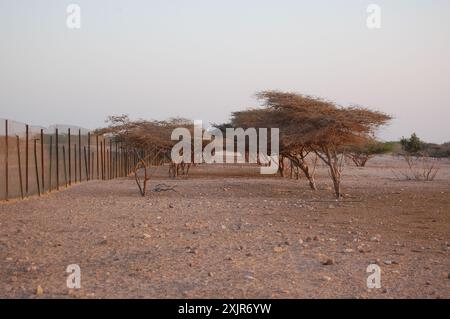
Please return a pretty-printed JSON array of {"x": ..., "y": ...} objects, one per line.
[{"x": 419, "y": 168}]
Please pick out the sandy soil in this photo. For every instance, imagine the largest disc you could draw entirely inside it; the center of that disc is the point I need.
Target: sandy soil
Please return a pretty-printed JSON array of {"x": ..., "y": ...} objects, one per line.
[{"x": 230, "y": 233}]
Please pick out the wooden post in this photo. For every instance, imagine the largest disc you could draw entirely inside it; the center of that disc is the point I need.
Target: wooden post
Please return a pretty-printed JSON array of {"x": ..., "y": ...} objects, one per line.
[
  {"x": 116, "y": 174},
  {"x": 69, "y": 156},
  {"x": 106, "y": 163},
  {"x": 75, "y": 161},
  {"x": 122, "y": 168},
  {"x": 110, "y": 160},
  {"x": 36, "y": 167},
  {"x": 6, "y": 160},
  {"x": 92, "y": 164},
  {"x": 42, "y": 160},
  {"x": 79, "y": 152},
  {"x": 64, "y": 161},
  {"x": 27, "y": 129},
  {"x": 118, "y": 160},
  {"x": 50, "y": 165},
  {"x": 19, "y": 165},
  {"x": 57, "y": 159},
  {"x": 96, "y": 137},
  {"x": 101, "y": 154},
  {"x": 127, "y": 161},
  {"x": 86, "y": 163},
  {"x": 89, "y": 156},
  {"x": 119, "y": 168},
  {"x": 104, "y": 158}
]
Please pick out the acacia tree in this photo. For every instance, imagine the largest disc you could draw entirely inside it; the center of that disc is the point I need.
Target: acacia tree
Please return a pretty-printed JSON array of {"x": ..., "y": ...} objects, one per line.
[
  {"x": 308, "y": 124},
  {"x": 361, "y": 153},
  {"x": 150, "y": 141}
]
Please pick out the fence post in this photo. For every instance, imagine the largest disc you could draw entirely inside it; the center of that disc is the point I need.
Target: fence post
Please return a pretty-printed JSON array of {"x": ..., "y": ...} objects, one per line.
[
  {"x": 98, "y": 176},
  {"x": 92, "y": 164},
  {"x": 6, "y": 160},
  {"x": 42, "y": 159},
  {"x": 79, "y": 152},
  {"x": 36, "y": 167},
  {"x": 57, "y": 158},
  {"x": 19, "y": 165},
  {"x": 75, "y": 161},
  {"x": 69, "y": 155},
  {"x": 85, "y": 163},
  {"x": 101, "y": 157},
  {"x": 64, "y": 161},
  {"x": 104, "y": 158},
  {"x": 50, "y": 165},
  {"x": 110, "y": 160},
  {"x": 115, "y": 164},
  {"x": 89, "y": 156},
  {"x": 27, "y": 129},
  {"x": 108, "y": 154}
]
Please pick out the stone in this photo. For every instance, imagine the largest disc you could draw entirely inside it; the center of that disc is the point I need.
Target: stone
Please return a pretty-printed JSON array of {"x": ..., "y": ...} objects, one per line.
[
  {"x": 248, "y": 277},
  {"x": 328, "y": 262},
  {"x": 279, "y": 249},
  {"x": 39, "y": 291}
]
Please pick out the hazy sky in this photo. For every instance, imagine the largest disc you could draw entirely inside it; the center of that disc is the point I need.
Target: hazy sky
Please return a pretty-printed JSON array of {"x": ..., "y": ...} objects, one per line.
[{"x": 203, "y": 59}]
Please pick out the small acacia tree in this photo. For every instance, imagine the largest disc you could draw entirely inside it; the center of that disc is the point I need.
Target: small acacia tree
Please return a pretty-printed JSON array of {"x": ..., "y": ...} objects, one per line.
[
  {"x": 361, "y": 153},
  {"x": 150, "y": 140}
]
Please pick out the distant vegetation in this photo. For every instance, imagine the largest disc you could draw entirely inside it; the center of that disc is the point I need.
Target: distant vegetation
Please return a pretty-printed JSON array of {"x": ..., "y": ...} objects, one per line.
[{"x": 415, "y": 146}]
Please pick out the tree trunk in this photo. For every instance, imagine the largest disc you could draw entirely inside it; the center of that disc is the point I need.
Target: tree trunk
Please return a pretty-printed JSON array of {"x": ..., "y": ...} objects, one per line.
[
  {"x": 303, "y": 165},
  {"x": 331, "y": 159}
]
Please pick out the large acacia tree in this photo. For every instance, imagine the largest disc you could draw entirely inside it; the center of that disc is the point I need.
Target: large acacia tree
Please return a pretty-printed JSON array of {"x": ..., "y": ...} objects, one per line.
[{"x": 312, "y": 125}]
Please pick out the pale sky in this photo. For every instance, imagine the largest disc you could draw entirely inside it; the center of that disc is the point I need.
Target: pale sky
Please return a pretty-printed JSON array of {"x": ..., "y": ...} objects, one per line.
[{"x": 203, "y": 59}]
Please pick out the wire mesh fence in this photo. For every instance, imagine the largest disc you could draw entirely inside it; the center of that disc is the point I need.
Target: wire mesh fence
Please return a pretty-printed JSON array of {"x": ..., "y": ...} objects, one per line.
[{"x": 36, "y": 160}]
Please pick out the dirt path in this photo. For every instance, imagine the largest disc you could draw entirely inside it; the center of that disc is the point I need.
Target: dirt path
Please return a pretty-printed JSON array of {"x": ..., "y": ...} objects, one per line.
[{"x": 225, "y": 236}]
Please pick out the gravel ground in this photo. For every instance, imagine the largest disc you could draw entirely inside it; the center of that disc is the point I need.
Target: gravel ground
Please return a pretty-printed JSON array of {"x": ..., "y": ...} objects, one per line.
[{"x": 227, "y": 232}]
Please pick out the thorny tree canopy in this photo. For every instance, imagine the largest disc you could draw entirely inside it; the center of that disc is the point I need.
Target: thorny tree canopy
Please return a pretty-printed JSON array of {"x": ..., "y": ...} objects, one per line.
[
  {"x": 309, "y": 121},
  {"x": 144, "y": 134}
]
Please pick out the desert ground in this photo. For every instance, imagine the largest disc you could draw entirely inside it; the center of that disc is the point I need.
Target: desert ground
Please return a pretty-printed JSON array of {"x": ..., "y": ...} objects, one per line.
[{"x": 228, "y": 232}]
